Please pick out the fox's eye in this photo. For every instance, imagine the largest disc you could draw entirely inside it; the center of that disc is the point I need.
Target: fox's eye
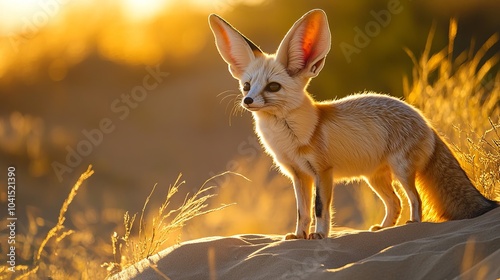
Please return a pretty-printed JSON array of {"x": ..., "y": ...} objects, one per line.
[
  {"x": 246, "y": 86},
  {"x": 273, "y": 87}
]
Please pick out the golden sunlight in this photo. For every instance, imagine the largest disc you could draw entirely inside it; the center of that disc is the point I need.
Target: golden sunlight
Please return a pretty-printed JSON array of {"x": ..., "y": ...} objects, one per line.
[
  {"x": 221, "y": 5},
  {"x": 137, "y": 10},
  {"x": 130, "y": 31},
  {"x": 14, "y": 13}
]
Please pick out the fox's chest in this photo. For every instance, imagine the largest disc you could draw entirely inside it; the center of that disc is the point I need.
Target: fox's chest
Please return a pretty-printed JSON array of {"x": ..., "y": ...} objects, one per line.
[
  {"x": 278, "y": 138},
  {"x": 284, "y": 144}
]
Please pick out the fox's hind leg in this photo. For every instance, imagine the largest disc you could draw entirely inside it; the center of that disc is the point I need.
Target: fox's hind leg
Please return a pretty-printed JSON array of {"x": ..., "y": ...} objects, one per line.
[
  {"x": 302, "y": 185},
  {"x": 381, "y": 184},
  {"x": 406, "y": 176}
]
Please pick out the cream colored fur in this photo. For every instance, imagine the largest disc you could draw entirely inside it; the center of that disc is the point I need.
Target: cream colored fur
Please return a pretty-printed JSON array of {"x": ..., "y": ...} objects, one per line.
[{"x": 367, "y": 136}]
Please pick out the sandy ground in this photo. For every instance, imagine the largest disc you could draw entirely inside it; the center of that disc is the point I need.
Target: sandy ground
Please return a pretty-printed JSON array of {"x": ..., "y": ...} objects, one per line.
[{"x": 465, "y": 249}]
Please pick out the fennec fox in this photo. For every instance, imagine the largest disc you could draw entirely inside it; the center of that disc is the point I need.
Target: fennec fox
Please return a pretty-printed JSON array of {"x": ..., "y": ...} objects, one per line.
[{"x": 364, "y": 136}]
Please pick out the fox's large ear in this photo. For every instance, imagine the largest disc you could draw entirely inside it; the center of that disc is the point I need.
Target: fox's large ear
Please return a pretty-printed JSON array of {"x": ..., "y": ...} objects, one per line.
[
  {"x": 237, "y": 50},
  {"x": 305, "y": 46}
]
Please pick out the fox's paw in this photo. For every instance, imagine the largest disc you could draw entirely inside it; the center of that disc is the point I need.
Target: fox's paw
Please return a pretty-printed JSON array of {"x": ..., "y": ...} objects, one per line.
[
  {"x": 291, "y": 236},
  {"x": 315, "y": 235},
  {"x": 375, "y": 227},
  {"x": 411, "y": 222}
]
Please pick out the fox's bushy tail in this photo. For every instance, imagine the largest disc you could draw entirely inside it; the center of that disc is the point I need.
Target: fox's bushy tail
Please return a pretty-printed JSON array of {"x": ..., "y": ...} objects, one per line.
[{"x": 446, "y": 191}]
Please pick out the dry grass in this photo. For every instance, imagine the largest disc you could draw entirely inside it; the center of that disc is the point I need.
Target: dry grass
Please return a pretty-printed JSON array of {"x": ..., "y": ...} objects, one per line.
[
  {"x": 64, "y": 253},
  {"x": 461, "y": 96},
  {"x": 153, "y": 233},
  {"x": 51, "y": 259},
  {"x": 264, "y": 205}
]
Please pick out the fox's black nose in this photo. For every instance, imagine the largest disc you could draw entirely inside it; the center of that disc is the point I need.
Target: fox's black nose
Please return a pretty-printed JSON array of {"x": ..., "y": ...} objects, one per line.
[{"x": 248, "y": 100}]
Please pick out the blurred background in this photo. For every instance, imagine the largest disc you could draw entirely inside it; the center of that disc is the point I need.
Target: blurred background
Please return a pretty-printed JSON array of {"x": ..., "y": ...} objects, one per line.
[{"x": 132, "y": 87}]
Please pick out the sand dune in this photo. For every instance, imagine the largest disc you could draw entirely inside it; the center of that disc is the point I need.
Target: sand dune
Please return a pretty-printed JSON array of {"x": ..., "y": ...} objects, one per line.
[{"x": 466, "y": 249}]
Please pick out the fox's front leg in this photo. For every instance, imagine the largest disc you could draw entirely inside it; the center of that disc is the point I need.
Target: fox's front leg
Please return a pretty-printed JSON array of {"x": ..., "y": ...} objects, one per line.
[
  {"x": 322, "y": 204},
  {"x": 302, "y": 185}
]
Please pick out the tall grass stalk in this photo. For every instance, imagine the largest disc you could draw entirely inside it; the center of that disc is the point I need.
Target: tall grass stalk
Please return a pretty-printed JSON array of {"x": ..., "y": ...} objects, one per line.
[
  {"x": 461, "y": 95},
  {"x": 153, "y": 233},
  {"x": 57, "y": 233}
]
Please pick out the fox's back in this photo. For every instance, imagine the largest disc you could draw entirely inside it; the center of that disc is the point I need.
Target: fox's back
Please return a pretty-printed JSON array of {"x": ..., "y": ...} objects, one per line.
[
  {"x": 389, "y": 115},
  {"x": 362, "y": 131}
]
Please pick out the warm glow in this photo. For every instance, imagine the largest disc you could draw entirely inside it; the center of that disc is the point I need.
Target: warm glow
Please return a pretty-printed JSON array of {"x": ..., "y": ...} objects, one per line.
[
  {"x": 31, "y": 15},
  {"x": 218, "y": 6},
  {"x": 38, "y": 32},
  {"x": 143, "y": 9},
  {"x": 14, "y": 13}
]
